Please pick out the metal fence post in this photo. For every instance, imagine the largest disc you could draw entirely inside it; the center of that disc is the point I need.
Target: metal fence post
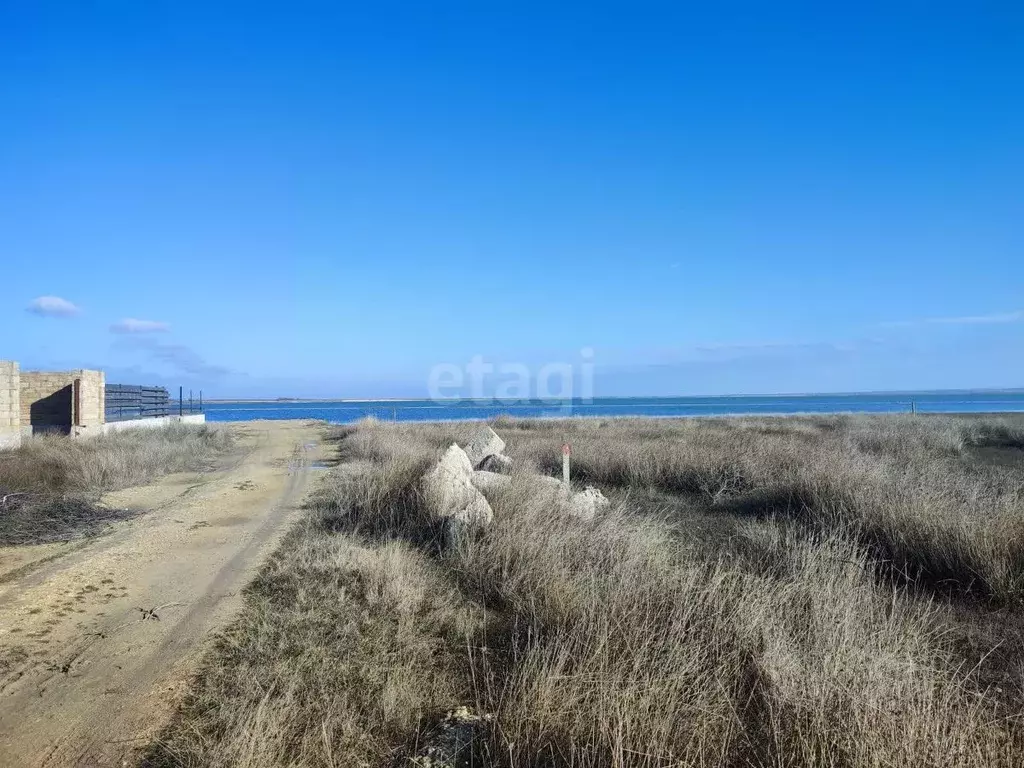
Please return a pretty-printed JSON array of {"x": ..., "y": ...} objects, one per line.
[{"x": 181, "y": 396}]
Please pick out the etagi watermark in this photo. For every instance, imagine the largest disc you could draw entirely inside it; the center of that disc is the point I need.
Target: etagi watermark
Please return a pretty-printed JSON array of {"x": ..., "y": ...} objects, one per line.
[{"x": 482, "y": 380}]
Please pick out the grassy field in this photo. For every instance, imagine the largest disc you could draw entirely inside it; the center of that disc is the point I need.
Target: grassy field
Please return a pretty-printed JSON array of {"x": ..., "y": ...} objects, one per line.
[
  {"x": 828, "y": 591},
  {"x": 50, "y": 485}
]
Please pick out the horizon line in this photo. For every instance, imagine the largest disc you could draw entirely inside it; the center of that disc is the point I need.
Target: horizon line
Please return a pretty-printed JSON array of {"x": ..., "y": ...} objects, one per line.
[{"x": 451, "y": 400}]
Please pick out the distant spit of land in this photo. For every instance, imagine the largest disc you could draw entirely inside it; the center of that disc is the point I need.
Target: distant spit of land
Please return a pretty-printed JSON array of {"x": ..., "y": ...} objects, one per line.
[
  {"x": 893, "y": 392},
  {"x": 315, "y": 399}
]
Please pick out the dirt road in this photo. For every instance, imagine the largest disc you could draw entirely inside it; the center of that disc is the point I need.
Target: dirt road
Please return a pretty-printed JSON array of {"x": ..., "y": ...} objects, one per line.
[{"x": 96, "y": 645}]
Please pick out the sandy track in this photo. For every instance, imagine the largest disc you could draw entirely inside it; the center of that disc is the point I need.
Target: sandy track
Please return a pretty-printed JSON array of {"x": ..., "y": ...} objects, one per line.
[{"x": 96, "y": 646}]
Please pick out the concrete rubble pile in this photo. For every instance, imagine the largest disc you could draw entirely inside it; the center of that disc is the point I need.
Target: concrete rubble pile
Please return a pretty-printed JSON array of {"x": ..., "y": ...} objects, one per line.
[
  {"x": 456, "y": 488},
  {"x": 449, "y": 491},
  {"x": 486, "y": 448}
]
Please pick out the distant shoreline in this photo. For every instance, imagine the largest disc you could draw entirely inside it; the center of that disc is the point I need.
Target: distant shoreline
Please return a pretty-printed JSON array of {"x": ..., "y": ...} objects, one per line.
[
  {"x": 300, "y": 400},
  {"x": 452, "y": 401},
  {"x": 669, "y": 417}
]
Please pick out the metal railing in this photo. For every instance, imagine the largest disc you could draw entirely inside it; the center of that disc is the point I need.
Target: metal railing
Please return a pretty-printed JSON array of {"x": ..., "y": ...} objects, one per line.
[
  {"x": 183, "y": 407},
  {"x": 135, "y": 401}
]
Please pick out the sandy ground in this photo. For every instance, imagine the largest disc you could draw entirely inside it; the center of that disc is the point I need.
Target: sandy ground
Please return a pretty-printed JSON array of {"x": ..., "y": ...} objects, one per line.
[{"x": 97, "y": 642}]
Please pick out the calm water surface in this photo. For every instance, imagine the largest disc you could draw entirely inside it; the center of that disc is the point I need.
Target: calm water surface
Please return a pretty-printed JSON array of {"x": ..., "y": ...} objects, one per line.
[{"x": 340, "y": 412}]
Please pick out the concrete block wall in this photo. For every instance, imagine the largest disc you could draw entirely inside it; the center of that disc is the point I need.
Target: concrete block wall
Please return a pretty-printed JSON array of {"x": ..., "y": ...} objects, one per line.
[
  {"x": 10, "y": 404},
  {"x": 39, "y": 401},
  {"x": 91, "y": 399},
  {"x": 48, "y": 400}
]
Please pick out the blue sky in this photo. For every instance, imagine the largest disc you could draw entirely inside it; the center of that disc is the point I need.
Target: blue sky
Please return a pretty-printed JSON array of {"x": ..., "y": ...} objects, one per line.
[{"x": 329, "y": 199}]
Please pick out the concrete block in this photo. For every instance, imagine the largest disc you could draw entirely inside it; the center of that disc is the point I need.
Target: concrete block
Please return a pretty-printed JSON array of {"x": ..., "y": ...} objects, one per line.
[{"x": 9, "y": 437}]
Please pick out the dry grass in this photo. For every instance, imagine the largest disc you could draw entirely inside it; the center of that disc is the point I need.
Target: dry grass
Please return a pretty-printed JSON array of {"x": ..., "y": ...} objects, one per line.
[
  {"x": 834, "y": 591},
  {"x": 340, "y": 652},
  {"x": 50, "y": 484},
  {"x": 907, "y": 488}
]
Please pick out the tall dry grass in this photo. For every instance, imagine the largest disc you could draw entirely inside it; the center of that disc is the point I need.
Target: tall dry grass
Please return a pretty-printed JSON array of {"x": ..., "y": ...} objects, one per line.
[
  {"x": 623, "y": 649},
  {"x": 764, "y": 592},
  {"x": 344, "y": 652},
  {"x": 50, "y": 484},
  {"x": 908, "y": 488},
  {"x": 122, "y": 459},
  {"x": 340, "y": 654}
]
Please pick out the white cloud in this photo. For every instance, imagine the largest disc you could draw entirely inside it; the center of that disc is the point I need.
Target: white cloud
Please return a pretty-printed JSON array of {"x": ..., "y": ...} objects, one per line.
[
  {"x": 1003, "y": 317},
  {"x": 52, "y": 306},
  {"x": 993, "y": 319},
  {"x": 181, "y": 358},
  {"x": 133, "y": 325}
]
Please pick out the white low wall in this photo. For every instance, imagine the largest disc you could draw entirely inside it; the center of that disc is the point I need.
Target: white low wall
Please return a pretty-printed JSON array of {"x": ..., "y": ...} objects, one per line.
[
  {"x": 13, "y": 438},
  {"x": 153, "y": 423}
]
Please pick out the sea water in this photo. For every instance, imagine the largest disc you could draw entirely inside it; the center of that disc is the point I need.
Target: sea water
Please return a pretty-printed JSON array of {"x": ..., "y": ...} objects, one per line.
[{"x": 343, "y": 411}]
